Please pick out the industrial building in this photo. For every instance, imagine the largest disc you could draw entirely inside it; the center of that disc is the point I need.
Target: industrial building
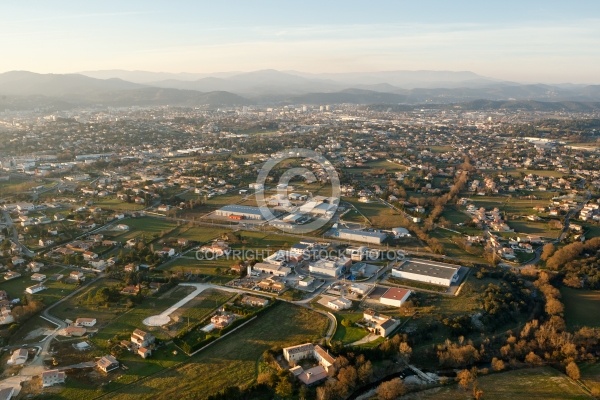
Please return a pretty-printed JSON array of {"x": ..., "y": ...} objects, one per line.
[
  {"x": 333, "y": 267},
  {"x": 434, "y": 272},
  {"x": 374, "y": 237},
  {"x": 394, "y": 297},
  {"x": 272, "y": 269},
  {"x": 241, "y": 212}
]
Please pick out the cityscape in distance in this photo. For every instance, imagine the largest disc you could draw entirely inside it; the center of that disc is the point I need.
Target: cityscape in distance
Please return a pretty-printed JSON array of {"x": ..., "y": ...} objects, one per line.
[{"x": 308, "y": 201}]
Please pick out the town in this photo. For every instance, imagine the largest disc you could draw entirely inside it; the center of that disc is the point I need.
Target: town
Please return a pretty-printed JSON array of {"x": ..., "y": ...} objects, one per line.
[{"x": 141, "y": 252}]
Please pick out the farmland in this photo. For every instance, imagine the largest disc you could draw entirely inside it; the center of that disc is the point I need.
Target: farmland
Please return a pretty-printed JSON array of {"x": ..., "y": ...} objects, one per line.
[
  {"x": 533, "y": 383},
  {"x": 230, "y": 361},
  {"x": 377, "y": 214},
  {"x": 581, "y": 307}
]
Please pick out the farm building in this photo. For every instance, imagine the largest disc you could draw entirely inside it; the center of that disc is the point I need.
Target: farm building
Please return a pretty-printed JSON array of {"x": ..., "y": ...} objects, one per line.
[{"x": 427, "y": 271}]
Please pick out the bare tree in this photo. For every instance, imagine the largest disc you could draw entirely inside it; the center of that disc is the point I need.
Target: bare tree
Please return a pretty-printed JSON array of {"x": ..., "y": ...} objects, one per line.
[
  {"x": 391, "y": 390},
  {"x": 573, "y": 371}
]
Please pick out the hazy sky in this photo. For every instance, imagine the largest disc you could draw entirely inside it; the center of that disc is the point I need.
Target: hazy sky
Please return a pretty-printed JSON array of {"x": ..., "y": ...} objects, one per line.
[{"x": 527, "y": 41}]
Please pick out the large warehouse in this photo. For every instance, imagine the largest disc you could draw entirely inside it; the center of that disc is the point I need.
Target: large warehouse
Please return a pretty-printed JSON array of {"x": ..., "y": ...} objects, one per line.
[
  {"x": 241, "y": 212},
  {"x": 374, "y": 237},
  {"x": 427, "y": 271}
]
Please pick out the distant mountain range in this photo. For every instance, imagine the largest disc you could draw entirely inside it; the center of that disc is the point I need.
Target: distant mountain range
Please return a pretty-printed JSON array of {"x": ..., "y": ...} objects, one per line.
[{"x": 21, "y": 89}]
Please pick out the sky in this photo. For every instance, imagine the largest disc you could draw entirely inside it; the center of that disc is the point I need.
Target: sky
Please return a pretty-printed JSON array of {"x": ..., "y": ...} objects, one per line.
[{"x": 523, "y": 41}]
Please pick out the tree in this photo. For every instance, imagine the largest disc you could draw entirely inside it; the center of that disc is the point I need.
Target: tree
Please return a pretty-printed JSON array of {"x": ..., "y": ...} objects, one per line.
[
  {"x": 102, "y": 295},
  {"x": 267, "y": 378},
  {"x": 390, "y": 390},
  {"x": 554, "y": 306},
  {"x": 284, "y": 388},
  {"x": 573, "y": 371},
  {"x": 465, "y": 378},
  {"x": 497, "y": 364},
  {"x": 533, "y": 359},
  {"x": 477, "y": 393},
  {"x": 405, "y": 351},
  {"x": 547, "y": 251},
  {"x": 328, "y": 391},
  {"x": 347, "y": 378},
  {"x": 365, "y": 372}
]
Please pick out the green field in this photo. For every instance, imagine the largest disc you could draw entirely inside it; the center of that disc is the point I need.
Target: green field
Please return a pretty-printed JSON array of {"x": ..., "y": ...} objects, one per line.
[
  {"x": 534, "y": 228},
  {"x": 125, "y": 323},
  {"x": 541, "y": 172},
  {"x": 591, "y": 231},
  {"x": 448, "y": 239},
  {"x": 15, "y": 288},
  {"x": 455, "y": 216},
  {"x": 511, "y": 204},
  {"x": 230, "y": 361},
  {"x": 349, "y": 334},
  {"x": 200, "y": 234},
  {"x": 149, "y": 225},
  {"x": 581, "y": 307},
  {"x": 118, "y": 205},
  {"x": 77, "y": 306},
  {"x": 379, "y": 215},
  {"x": 544, "y": 383},
  {"x": 590, "y": 375},
  {"x": 214, "y": 267}
]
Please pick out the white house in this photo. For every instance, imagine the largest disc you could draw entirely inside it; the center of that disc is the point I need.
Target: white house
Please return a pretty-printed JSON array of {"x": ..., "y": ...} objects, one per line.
[
  {"x": 53, "y": 377},
  {"x": 38, "y": 277},
  {"x": 141, "y": 338},
  {"x": 88, "y": 322},
  {"x": 35, "y": 288},
  {"x": 76, "y": 275},
  {"x": 107, "y": 363},
  {"x": 339, "y": 304},
  {"x": 18, "y": 357}
]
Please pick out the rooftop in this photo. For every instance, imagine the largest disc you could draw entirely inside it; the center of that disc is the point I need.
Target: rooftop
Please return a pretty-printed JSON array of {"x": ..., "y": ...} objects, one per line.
[
  {"x": 301, "y": 348},
  {"x": 395, "y": 293},
  {"x": 375, "y": 234},
  {"x": 428, "y": 268},
  {"x": 241, "y": 209},
  {"x": 313, "y": 375}
]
